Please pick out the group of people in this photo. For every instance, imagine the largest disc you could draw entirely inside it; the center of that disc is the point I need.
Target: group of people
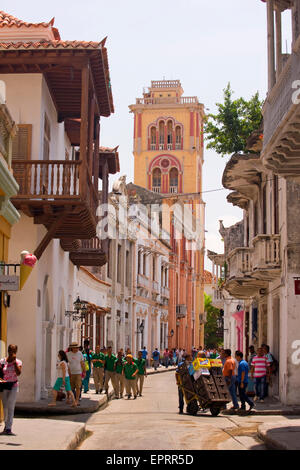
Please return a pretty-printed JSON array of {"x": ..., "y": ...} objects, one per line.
[
  {"x": 250, "y": 377},
  {"x": 243, "y": 378},
  {"x": 76, "y": 365}
]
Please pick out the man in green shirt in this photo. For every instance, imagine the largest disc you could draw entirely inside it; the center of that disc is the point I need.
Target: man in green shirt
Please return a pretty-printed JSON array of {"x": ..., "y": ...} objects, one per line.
[
  {"x": 119, "y": 378},
  {"x": 110, "y": 374},
  {"x": 98, "y": 361},
  {"x": 130, "y": 371},
  {"x": 141, "y": 365}
]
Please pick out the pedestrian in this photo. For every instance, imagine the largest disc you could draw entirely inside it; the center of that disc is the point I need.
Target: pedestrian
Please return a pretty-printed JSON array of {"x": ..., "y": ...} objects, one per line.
[
  {"x": 142, "y": 373},
  {"x": 155, "y": 357},
  {"x": 269, "y": 358},
  {"x": 145, "y": 355},
  {"x": 98, "y": 361},
  {"x": 201, "y": 354},
  {"x": 166, "y": 358},
  {"x": 242, "y": 380},
  {"x": 175, "y": 356},
  {"x": 110, "y": 360},
  {"x": 230, "y": 377},
  {"x": 259, "y": 368},
  {"x": 119, "y": 376},
  {"x": 76, "y": 369},
  {"x": 251, "y": 384},
  {"x": 188, "y": 359},
  {"x": 130, "y": 371},
  {"x": 87, "y": 354},
  {"x": 222, "y": 356},
  {"x": 170, "y": 357},
  {"x": 104, "y": 352},
  {"x": 10, "y": 370},
  {"x": 62, "y": 380}
]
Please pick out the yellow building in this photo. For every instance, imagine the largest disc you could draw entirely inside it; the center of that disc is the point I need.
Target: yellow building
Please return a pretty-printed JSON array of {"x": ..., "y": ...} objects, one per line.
[
  {"x": 8, "y": 213},
  {"x": 168, "y": 159}
]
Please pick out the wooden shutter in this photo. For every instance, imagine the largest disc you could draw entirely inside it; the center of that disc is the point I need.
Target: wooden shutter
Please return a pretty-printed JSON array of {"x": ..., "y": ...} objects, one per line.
[{"x": 21, "y": 145}]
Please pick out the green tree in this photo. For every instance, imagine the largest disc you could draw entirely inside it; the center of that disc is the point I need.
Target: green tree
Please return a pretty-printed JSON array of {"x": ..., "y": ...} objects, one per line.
[
  {"x": 228, "y": 130},
  {"x": 211, "y": 326}
]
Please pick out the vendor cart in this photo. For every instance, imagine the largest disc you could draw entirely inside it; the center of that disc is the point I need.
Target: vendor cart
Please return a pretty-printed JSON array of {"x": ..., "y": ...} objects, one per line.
[{"x": 204, "y": 390}]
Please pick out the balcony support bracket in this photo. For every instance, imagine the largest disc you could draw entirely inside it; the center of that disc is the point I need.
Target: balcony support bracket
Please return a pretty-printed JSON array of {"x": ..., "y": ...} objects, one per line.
[{"x": 49, "y": 235}]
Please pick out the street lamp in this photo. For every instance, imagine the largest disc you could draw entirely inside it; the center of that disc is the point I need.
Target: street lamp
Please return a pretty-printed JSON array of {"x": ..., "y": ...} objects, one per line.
[{"x": 79, "y": 313}]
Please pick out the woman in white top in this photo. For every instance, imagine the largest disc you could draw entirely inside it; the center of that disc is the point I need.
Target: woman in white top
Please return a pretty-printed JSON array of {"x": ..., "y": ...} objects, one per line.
[{"x": 63, "y": 379}]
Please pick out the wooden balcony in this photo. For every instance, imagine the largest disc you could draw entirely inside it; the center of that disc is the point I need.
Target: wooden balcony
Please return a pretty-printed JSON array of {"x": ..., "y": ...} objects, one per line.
[
  {"x": 90, "y": 253},
  {"x": 58, "y": 194},
  {"x": 266, "y": 257}
]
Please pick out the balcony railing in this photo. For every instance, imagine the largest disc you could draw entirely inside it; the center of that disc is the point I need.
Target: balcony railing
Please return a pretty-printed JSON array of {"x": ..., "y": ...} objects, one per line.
[
  {"x": 50, "y": 179},
  {"x": 155, "y": 286},
  {"x": 173, "y": 189},
  {"x": 266, "y": 254},
  {"x": 168, "y": 100},
  {"x": 180, "y": 311},
  {"x": 279, "y": 100},
  {"x": 142, "y": 281},
  {"x": 89, "y": 253},
  {"x": 239, "y": 262},
  {"x": 165, "y": 291},
  {"x": 57, "y": 189},
  {"x": 156, "y": 189}
]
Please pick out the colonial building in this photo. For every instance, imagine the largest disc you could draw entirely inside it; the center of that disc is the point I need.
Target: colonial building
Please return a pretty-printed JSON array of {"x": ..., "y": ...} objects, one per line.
[
  {"x": 262, "y": 255},
  {"x": 56, "y": 91},
  {"x": 168, "y": 159}
]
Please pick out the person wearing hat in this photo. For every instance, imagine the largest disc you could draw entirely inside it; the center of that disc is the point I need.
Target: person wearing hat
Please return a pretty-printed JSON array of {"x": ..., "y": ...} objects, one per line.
[
  {"x": 77, "y": 369},
  {"x": 130, "y": 371}
]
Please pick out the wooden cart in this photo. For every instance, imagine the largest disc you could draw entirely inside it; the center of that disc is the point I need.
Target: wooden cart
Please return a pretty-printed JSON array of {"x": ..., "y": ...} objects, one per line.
[{"x": 207, "y": 392}]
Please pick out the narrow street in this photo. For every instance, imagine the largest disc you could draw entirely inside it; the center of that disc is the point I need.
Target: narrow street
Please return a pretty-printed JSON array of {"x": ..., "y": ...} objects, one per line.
[{"x": 152, "y": 422}]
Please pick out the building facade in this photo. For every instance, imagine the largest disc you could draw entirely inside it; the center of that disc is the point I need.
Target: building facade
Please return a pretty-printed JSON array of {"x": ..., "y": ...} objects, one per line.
[
  {"x": 57, "y": 91},
  {"x": 168, "y": 159},
  {"x": 262, "y": 256}
]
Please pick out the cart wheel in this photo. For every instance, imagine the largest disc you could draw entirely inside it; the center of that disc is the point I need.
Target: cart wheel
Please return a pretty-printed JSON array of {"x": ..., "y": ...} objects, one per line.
[
  {"x": 215, "y": 411},
  {"x": 192, "y": 408}
]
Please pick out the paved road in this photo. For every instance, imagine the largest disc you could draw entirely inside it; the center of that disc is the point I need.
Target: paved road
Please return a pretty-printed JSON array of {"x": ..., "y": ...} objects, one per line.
[{"x": 152, "y": 422}]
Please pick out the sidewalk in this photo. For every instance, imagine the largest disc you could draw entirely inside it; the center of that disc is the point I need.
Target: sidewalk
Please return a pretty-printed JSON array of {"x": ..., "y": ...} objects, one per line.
[
  {"x": 270, "y": 406},
  {"x": 58, "y": 428},
  {"x": 89, "y": 403},
  {"x": 280, "y": 436}
]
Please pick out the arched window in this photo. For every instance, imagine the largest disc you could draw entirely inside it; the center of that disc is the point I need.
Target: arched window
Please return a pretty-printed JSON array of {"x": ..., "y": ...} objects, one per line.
[
  {"x": 156, "y": 180},
  {"x": 173, "y": 176},
  {"x": 153, "y": 138},
  {"x": 161, "y": 135},
  {"x": 169, "y": 135},
  {"x": 178, "y": 138}
]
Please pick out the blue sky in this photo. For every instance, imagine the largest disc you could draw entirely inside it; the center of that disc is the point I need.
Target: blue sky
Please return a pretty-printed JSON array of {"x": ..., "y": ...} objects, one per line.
[{"x": 204, "y": 43}]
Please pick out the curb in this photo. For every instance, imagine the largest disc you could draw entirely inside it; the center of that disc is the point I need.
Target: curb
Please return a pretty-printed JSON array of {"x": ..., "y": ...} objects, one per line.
[
  {"x": 271, "y": 444},
  {"x": 77, "y": 439}
]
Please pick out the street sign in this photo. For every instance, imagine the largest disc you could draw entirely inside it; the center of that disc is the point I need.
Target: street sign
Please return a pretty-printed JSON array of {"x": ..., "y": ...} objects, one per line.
[{"x": 9, "y": 283}]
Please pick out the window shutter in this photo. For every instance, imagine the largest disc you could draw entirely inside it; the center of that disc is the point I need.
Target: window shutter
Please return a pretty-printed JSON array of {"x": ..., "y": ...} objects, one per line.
[{"x": 21, "y": 145}]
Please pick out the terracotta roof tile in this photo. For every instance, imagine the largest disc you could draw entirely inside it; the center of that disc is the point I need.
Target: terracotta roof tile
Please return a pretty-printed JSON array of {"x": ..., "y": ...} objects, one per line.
[
  {"x": 50, "y": 45},
  {"x": 7, "y": 20}
]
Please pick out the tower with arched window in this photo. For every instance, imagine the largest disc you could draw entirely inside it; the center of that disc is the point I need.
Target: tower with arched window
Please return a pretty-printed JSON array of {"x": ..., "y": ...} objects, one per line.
[
  {"x": 168, "y": 139},
  {"x": 168, "y": 158}
]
